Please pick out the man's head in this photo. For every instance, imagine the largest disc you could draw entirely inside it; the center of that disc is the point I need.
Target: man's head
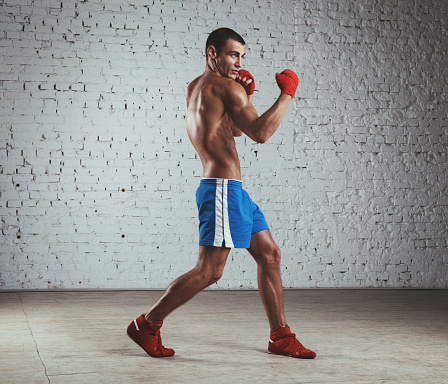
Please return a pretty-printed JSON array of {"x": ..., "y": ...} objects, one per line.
[
  {"x": 225, "y": 49},
  {"x": 218, "y": 38}
]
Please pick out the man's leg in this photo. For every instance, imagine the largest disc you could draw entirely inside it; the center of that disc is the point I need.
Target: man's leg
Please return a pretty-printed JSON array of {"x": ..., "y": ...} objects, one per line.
[
  {"x": 208, "y": 270},
  {"x": 145, "y": 330},
  {"x": 267, "y": 255}
]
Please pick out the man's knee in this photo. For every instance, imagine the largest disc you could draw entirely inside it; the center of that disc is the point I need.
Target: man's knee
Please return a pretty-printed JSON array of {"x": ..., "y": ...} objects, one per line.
[
  {"x": 209, "y": 274},
  {"x": 211, "y": 264},
  {"x": 215, "y": 275},
  {"x": 271, "y": 256}
]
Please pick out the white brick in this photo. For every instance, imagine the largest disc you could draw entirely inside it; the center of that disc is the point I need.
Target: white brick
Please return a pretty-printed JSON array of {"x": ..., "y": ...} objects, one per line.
[{"x": 357, "y": 167}]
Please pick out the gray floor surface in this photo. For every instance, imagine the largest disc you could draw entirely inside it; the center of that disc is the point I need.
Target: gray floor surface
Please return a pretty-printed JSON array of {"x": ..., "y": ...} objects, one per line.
[{"x": 360, "y": 336}]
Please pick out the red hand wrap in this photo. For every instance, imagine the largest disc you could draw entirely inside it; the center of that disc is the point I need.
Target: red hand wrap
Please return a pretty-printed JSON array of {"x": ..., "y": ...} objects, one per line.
[
  {"x": 250, "y": 87},
  {"x": 287, "y": 82}
]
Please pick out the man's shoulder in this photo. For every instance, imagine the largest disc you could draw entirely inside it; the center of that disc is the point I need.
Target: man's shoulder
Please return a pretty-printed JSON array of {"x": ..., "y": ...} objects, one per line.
[
  {"x": 228, "y": 90},
  {"x": 226, "y": 82},
  {"x": 211, "y": 86},
  {"x": 193, "y": 84},
  {"x": 218, "y": 82}
]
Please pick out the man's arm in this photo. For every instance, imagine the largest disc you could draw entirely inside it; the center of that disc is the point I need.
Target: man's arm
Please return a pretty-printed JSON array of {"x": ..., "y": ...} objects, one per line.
[
  {"x": 247, "y": 81},
  {"x": 235, "y": 130},
  {"x": 245, "y": 117}
]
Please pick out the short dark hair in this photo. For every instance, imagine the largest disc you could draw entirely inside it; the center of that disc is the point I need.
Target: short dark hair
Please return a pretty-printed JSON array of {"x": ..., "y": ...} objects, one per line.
[{"x": 218, "y": 38}]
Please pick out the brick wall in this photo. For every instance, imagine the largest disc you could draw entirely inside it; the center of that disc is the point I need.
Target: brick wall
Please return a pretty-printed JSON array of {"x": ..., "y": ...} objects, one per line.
[{"x": 97, "y": 175}]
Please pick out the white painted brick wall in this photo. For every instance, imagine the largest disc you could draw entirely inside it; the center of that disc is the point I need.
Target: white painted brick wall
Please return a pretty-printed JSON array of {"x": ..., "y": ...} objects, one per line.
[{"x": 97, "y": 176}]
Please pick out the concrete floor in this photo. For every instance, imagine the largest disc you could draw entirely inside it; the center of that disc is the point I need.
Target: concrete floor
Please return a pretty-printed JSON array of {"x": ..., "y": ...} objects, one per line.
[{"x": 360, "y": 336}]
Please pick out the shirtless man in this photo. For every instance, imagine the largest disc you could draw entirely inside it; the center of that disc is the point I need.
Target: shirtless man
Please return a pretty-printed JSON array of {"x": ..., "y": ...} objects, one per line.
[{"x": 218, "y": 107}]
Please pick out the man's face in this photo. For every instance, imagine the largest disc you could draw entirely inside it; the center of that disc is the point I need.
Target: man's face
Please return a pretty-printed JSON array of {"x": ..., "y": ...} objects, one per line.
[{"x": 229, "y": 60}]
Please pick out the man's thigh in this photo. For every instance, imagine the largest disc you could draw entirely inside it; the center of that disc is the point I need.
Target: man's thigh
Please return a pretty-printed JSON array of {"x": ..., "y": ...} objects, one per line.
[{"x": 214, "y": 257}]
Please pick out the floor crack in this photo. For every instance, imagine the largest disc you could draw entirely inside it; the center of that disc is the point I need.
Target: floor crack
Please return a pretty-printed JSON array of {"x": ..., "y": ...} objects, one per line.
[{"x": 35, "y": 343}]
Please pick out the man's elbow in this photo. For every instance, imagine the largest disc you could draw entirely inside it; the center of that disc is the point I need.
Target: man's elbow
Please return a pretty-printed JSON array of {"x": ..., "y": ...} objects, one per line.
[
  {"x": 261, "y": 139},
  {"x": 258, "y": 135}
]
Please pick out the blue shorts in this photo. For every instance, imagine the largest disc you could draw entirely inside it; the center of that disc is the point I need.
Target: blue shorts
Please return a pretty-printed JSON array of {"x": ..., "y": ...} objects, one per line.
[{"x": 227, "y": 215}]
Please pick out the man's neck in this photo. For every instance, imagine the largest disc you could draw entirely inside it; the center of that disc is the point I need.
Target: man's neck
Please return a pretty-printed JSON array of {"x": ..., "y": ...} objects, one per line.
[{"x": 212, "y": 68}]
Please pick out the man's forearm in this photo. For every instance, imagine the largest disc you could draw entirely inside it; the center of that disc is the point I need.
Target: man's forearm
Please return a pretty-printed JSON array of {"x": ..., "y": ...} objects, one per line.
[{"x": 265, "y": 125}]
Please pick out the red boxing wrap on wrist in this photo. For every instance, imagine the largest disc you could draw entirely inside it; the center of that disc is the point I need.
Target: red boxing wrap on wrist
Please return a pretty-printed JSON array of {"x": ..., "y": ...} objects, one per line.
[
  {"x": 287, "y": 82},
  {"x": 249, "y": 88}
]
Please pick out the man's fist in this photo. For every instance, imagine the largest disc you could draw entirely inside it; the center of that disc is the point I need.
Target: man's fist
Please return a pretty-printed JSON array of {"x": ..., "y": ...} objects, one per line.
[
  {"x": 247, "y": 81},
  {"x": 287, "y": 82}
]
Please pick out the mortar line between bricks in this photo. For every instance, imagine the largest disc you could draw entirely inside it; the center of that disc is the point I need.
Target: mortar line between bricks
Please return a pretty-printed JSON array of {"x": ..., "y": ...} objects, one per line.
[{"x": 34, "y": 339}]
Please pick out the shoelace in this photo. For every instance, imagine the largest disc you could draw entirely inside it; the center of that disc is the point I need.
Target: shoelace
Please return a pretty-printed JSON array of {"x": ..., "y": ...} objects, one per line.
[
  {"x": 159, "y": 343},
  {"x": 294, "y": 339},
  {"x": 160, "y": 347}
]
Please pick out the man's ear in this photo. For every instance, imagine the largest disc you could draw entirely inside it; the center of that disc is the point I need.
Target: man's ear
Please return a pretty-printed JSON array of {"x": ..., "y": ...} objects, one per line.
[{"x": 211, "y": 52}]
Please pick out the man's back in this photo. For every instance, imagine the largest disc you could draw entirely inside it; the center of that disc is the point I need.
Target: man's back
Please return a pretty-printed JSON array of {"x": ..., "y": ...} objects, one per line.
[{"x": 210, "y": 127}]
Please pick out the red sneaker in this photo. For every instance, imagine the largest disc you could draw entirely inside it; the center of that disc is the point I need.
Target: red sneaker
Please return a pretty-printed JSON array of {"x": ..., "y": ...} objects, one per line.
[
  {"x": 283, "y": 342},
  {"x": 147, "y": 335}
]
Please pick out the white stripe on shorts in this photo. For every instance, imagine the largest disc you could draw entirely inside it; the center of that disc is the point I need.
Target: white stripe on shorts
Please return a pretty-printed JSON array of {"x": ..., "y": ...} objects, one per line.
[
  {"x": 227, "y": 235},
  {"x": 218, "y": 215},
  {"x": 222, "y": 227}
]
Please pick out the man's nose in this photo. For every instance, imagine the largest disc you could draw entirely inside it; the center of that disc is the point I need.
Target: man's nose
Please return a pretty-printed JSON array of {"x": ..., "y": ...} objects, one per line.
[{"x": 239, "y": 62}]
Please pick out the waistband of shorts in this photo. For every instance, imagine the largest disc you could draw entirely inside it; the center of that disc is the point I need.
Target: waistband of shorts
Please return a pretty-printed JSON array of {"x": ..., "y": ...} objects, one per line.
[{"x": 218, "y": 181}]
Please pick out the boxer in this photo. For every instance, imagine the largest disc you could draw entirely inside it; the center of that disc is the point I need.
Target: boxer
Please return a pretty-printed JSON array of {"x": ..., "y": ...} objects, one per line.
[{"x": 218, "y": 108}]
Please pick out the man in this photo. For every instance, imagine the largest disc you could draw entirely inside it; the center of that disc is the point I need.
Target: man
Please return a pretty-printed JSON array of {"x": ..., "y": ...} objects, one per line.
[{"x": 218, "y": 107}]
